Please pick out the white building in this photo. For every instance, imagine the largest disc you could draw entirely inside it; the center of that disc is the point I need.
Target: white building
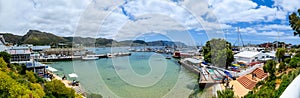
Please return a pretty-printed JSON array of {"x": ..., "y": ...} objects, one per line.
[
  {"x": 252, "y": 56},
  {"x": 258, "y": 49},
  {"x": 20, "y": 54},
  {"x": 3, "y": 47}
]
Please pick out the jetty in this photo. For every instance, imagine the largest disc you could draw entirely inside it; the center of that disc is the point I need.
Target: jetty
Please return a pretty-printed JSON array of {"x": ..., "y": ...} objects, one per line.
[{"x": 206, "y": 75}]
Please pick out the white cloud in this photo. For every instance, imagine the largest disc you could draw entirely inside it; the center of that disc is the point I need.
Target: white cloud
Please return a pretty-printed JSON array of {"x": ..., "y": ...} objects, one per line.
[
  {"x": 105, "y": 18},
  {"x": 273, "y": 27},
  {"x": 287, "y": 5},
  {"x": 271, "y": 33},
  {"x": 232, "y": 11}
]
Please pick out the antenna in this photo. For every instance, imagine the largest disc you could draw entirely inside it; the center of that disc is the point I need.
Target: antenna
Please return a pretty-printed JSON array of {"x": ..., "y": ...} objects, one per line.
[{"x": 239, "y": 38}]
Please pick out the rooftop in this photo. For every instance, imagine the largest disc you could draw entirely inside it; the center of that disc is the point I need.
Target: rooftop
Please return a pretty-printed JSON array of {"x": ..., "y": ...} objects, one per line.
[{"x": 247, "y": 54}]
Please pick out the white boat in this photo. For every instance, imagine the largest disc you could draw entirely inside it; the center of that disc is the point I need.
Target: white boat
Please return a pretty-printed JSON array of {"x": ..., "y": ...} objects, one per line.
[{"x": 88, "y": 57}]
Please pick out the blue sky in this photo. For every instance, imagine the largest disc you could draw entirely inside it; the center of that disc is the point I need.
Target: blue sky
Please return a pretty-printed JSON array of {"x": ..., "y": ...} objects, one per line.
[{"x": 188, "y": 21}]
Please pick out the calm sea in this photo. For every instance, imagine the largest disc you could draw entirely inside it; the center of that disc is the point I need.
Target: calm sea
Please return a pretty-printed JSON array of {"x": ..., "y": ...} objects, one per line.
[{"x": 141, "y": 75}]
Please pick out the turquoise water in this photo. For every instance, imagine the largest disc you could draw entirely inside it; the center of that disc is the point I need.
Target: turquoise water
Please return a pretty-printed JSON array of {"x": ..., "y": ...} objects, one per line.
[{"x": 141, "y": 75}]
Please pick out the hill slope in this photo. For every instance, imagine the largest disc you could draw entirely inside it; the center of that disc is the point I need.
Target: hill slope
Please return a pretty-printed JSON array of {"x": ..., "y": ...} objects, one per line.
[{"x": 36, "y": 37}]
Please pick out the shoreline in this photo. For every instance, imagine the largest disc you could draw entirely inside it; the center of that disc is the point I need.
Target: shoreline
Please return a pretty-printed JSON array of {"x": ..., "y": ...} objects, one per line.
[{"x": 78, "y": 89}]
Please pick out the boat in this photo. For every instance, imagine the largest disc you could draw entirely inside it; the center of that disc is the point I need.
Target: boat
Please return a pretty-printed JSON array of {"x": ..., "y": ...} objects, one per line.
[
  {"x": 88, "y": 57},
  {"x": 176, "y": 54},
  {"x": 168, "y": 57},
  {"x": 110, "y": 55}
]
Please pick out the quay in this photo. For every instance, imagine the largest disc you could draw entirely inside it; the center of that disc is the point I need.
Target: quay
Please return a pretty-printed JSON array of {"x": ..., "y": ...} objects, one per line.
[{"x": 53, "y": 58}]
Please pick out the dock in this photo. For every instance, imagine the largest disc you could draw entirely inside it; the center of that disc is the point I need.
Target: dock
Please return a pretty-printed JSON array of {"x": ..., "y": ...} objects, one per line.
[
  {"x": 205, "y": 77},
  {"x": 70, "y": 58}
]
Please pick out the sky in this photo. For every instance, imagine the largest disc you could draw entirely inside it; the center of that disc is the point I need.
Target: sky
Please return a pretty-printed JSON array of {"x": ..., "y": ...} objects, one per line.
[{"x": 190, "y": 21}]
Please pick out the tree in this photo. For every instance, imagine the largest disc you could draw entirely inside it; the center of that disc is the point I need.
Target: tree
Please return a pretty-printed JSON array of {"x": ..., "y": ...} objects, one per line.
[
  {"x": 37, "y": 90},
  {"x": 227, "y": 93},
  {"x": 9, "y": 88},
  {"x": 294, "y": 20},
  {"x": 294, "y": 62},
  {"x": 218, "y": 52},
  {"x": 280, "y": 54},
  {"x": 31, "y": 77},
  {"x": 282, "y": 66},
  {"x": 3, "y": 64},
  {"x": 287, "y": 60},
  {"x": 5, "y": 56},
  {"x": 56, "y": 88},
  {"x": 270, "y": 67}
]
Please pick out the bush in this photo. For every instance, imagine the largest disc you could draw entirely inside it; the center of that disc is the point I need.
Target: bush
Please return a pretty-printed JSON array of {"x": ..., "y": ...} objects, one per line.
[
  {"x": 58, "y": 89},
  {"x": 282, "y": 66},
  {"x": 294, "y": 62},
  {"x": 5, "y": 56},
  {"x": 227, "y": 93},
  {"x": 287, "y": 60},
  {"x": 31, "y": 77}
]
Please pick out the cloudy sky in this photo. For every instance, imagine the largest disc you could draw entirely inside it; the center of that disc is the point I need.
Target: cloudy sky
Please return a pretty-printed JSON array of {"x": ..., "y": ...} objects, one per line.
[{"x": 189, "y": 21}]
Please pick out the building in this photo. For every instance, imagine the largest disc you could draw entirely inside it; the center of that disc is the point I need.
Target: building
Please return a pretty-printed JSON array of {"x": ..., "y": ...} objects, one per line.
[
  {"x": 65, "y": 51},
  {"x": 3, "y": 46},
  {"x": 20, "y": 54},
  {"x": 39, "y": 48},
  {"x": 252, "y": 56}
]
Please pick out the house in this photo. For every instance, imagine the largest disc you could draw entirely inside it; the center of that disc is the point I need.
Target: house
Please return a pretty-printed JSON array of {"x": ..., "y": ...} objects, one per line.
[
  {"x": 24, "y": 55},
  {"x": 251, "y": 56}
]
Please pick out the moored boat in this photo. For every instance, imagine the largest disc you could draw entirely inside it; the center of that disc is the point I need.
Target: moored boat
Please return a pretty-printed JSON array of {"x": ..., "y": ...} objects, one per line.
[{"x": 88, "y": 57}]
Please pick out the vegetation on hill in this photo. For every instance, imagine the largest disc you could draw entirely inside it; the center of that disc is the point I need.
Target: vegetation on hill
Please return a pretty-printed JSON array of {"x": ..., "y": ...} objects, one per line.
[
  {"x": 12, "y": 38},
  {"x": 41, "y": 38},
  {"x": 36, "y": 37}
]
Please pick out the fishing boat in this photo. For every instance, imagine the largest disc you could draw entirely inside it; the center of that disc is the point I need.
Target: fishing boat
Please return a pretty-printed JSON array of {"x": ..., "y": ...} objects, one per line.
[{"x": 89, "y": 57}]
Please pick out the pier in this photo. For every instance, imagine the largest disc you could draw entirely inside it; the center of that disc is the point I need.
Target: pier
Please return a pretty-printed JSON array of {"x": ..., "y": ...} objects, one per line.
[
  {"x": 53, "y": 58},
  {"x": 206, "y": 76}
]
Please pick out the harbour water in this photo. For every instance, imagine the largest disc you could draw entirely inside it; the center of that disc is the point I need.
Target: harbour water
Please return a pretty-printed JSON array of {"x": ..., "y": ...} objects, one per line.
[{"x": 141, "y": 75}]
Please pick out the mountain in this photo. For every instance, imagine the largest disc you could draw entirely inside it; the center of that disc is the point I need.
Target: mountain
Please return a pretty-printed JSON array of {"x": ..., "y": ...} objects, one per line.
[
  {"x": 166, "y": 43},
  {"x": 11, "y": 38},
  {"x": 132, "y": 43},
  {"x": 37, "y": 37}
]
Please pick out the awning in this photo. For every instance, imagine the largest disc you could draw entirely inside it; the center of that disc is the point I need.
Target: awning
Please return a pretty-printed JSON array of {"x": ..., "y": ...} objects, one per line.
[{"x": 73, "y": 75}]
